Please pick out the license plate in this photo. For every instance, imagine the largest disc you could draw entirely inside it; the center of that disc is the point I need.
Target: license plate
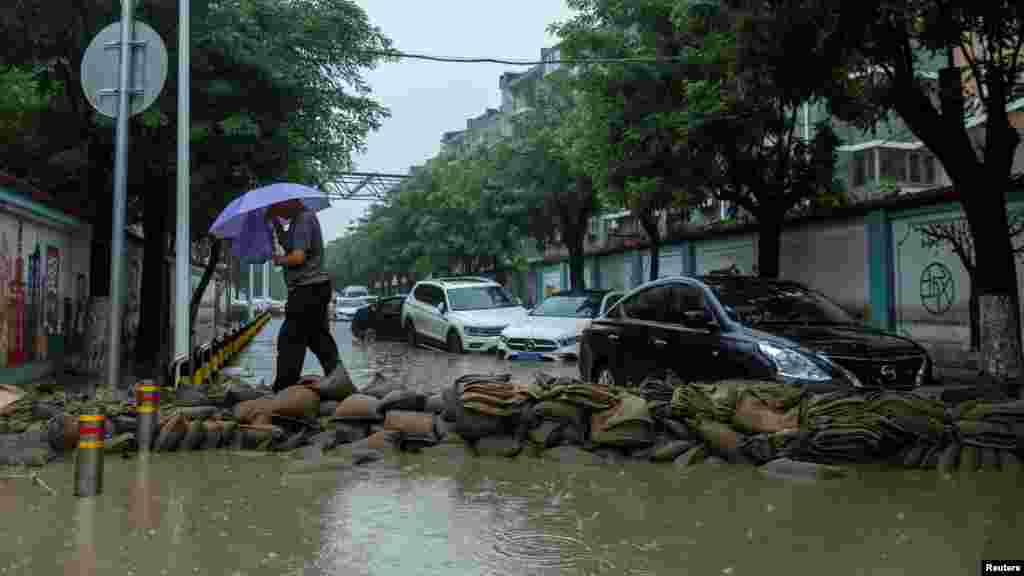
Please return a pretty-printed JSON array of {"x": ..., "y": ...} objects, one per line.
[{"x": 526, "y": 356}]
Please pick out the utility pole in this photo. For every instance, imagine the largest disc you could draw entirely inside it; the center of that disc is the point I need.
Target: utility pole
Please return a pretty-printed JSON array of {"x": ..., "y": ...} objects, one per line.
[{"x": 183, "y": 230}]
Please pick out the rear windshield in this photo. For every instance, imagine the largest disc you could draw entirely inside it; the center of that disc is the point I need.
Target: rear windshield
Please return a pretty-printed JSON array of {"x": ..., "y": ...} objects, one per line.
[
  {"x": 767, "y": 303},
  {"x": 480, "y": 298},
  {"x": 569, "y": 307}
]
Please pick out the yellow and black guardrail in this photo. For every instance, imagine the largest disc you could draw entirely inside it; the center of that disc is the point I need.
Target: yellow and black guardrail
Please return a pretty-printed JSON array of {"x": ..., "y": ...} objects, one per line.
[{"x": 208, "y": 359}]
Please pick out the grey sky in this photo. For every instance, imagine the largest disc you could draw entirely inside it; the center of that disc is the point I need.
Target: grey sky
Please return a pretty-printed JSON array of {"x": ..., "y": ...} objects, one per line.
[{"x": 429, "y": 98}]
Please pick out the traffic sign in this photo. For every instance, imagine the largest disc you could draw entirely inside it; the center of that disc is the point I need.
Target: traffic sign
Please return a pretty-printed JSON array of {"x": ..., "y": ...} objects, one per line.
[{"x": 101, "y": 69}]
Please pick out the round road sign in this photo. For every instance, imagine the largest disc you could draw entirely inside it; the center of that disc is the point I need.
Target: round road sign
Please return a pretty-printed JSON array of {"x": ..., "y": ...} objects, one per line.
[{"x": 101, "y": 69}]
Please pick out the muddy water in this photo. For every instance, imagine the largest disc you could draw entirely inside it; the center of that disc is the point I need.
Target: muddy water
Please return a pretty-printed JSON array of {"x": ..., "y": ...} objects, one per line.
[
  {"x": 443, "y": 513},
  {"x": 421, "y": 369}
]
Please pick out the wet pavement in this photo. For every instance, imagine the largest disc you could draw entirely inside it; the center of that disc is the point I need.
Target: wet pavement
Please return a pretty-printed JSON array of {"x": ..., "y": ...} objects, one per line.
[{"x": 440, "y": 512}]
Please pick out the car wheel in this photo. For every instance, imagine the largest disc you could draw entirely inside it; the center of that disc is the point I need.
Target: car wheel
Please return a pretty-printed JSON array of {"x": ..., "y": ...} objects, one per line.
[
  {"x": 454, "y": 343},
  {"x": 410, "y": 335},
  {"x": 605, "y": 376}
]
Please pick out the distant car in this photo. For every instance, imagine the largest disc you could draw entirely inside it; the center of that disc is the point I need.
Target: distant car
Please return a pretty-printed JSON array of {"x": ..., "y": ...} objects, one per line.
[
  {"x": 345, "y": 308},
  {"x": 354, "y": 292},
  {"x": 724, "y": 326},
  {"x": 382, "y": 320},
  {"x": 552, "y": 329},
  {"x": 277, "y": 307}
]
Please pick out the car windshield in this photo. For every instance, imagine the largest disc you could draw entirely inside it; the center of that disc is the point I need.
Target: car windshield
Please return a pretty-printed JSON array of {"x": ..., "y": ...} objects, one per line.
[
  {"x": 480, "y": 298},
  {"x": 767, "y": 303},
  {"x": 568, "y": 307},
  {"x": 351, "y": 302}
]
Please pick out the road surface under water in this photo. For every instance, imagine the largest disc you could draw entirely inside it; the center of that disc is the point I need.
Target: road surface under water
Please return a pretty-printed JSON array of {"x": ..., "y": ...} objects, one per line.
[{"x": 441, "y": 512}]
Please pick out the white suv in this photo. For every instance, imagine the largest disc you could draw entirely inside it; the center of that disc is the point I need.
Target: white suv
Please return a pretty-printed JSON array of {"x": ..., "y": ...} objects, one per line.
[{"x": 463, "y": 313}]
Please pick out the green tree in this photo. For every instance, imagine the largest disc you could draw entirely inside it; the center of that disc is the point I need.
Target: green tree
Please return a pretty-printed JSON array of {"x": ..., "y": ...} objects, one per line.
[
  {"x": 885, "y": 51},
  {"x": 277, "y": 93},
  {"x": 632, "y": 129},
  {"x": 556, "y": 196}
]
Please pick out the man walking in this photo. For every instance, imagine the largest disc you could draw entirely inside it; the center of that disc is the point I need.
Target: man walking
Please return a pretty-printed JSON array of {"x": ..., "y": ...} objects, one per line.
[{"x": 309, "y": 294}]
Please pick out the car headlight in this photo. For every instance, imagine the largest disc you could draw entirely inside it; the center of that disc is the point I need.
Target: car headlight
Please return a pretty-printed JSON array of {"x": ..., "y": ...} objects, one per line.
[
  {"x": 568, "y": 341},
  {"x": 503, "y": 338},
  {"x": 793, "y": 364},
  {"x": 922, "y": 372}
]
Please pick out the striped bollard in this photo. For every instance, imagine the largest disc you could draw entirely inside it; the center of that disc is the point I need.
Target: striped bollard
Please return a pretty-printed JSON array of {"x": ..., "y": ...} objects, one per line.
[
  {"x": 147, "y": 409},
  {"x": 89, "y": 456}
]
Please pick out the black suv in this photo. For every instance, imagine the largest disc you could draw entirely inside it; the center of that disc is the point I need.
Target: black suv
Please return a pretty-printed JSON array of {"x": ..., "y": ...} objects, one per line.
[{"x": 716, "y": 327}]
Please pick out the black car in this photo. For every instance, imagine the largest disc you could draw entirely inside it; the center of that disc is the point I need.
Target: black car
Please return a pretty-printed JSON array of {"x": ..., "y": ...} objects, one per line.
[
  {"x": 383, "y": 319},
  {"x": 717, "y": 327}
]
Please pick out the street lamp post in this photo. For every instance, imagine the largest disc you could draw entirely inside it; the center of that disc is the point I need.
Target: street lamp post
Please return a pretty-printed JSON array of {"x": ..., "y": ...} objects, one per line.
[{"x": 182, "y": 245}]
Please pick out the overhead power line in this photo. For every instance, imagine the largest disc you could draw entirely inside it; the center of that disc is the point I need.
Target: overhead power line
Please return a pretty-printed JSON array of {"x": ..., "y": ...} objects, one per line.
[{"x": 516, "y": 62}]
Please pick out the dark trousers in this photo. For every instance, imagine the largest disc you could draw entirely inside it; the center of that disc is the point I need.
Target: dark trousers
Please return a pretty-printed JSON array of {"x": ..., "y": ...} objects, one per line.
[{"x": 304, "y": 327}]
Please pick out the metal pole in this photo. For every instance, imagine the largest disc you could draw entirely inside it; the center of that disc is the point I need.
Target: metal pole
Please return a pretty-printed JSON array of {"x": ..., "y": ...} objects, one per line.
[
  {"x": 120, "y": 199},
  {"x": 182, "y": 246}
]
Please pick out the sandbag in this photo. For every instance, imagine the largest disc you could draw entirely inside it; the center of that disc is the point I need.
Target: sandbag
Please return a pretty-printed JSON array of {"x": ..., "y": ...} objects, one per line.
[
  {"x": 381, "y": 386},
  {"x": 669, "y": 451},
  {"x": 327, "y": 408},
  {"x": 336, "y": 386},
  {"x": 25, "y": 449},
  {"x": 212, "y": 434},
  {"x": 451, "y": 399},
  {"x": 237, "y": 392},
  {"x": 62, "y": 433},
  {"x": 171, "y": 433},
  {"x": 256, "y": 412},
  {"x": 405, "y": 400},
  {"x": 545, "y": 434},
  {"x": 358, "y": 407},
  {"x": 720, "y": 438},
  {"x": 627, "y": 424},
  {"x": 383, "y": 440},
  {"x": 193, "y": 438},
  {"x": 950, "y": 458},
  {"x": 198, "y": 412},
  {"x": 296, "y": 402},
  {"x": 557, "y": 411},
  {"x": 228, "y": 432},
  {"x": 434, "y": 404},
  {"x": 695, "y": 455},
  {"x": 754, "y": 415},
  {"x": 413, "y": 423},
  {"x": 257, "y": 437},
  {"x": 348, "y": 432}
]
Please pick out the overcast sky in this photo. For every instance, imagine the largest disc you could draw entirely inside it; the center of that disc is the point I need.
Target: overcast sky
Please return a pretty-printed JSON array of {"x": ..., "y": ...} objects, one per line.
[{"x": 429, "y": 98}]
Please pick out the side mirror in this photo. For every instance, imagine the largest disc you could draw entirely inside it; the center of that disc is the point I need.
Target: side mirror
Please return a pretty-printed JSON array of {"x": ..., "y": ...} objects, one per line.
[{"x": 441, "y": 308}]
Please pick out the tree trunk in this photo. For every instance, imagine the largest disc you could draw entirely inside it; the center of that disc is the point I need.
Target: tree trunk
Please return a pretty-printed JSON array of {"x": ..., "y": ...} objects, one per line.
[
  {"x": 975, "y": 313},
  {"x": 769, "y": 241},
  {"x": 650, "y": 226},
  {"x": 197, "y": 294},
  {"x": 153, "y": 317},
  {"x": 996, "y": 284}
]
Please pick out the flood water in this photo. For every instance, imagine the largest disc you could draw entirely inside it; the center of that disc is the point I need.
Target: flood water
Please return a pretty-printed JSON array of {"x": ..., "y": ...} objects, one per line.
[{"x": 442, "y": 513}]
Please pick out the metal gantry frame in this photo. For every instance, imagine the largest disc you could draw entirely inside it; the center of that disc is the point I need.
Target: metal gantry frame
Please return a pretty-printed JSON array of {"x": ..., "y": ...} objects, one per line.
[{"x": 370, "y": 186}]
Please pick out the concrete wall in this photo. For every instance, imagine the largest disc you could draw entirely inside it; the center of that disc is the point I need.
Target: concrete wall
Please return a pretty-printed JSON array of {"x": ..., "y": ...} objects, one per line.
[
  {"x": 722, "y": 253},
  {"x": 831, "y": 257}
]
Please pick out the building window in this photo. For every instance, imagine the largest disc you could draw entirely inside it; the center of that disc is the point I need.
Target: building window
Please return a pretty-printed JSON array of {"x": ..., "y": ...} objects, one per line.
[
  {"x": 894, "y": 164},
  {"x": 915, "y": 167}
]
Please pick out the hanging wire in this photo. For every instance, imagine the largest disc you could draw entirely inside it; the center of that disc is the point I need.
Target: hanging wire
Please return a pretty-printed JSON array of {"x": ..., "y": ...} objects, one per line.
[{"x": 516, "y": 62}]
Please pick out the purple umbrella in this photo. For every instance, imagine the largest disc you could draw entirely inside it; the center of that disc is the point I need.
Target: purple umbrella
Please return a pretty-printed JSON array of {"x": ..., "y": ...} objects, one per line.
[{"x": 244, "y": 220}]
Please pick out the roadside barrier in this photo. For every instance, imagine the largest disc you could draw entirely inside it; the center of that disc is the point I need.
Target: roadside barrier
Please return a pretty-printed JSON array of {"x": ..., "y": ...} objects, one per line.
[
  {"x": 207, "y": 360},
  {"x": 89, "y": 455},
  {"x": 147, "y": 402}
]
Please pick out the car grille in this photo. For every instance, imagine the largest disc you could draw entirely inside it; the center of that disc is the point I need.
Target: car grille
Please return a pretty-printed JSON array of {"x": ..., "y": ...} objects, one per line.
[
  {"x": 490, "y": 331},
  {"x": 898, "y": 372},
  {"x": 526, "y": 344}
]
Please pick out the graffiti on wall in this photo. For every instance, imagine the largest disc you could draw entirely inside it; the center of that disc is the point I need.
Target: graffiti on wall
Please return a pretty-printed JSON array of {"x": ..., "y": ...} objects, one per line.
[{"x": 938, "y": 288}]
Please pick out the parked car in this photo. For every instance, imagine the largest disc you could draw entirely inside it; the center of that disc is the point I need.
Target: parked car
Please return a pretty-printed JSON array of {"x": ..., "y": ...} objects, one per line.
[
  {"x": 461, "y": 313},
  {"x": 718, "y": 327},
  {"x": 345, "y": 308},
  {"x": 277, "y": 307},
  {"x": 552, "y": 329},
  {"x": 354, "y": 292},
  {"x": 382, "y": 320}
]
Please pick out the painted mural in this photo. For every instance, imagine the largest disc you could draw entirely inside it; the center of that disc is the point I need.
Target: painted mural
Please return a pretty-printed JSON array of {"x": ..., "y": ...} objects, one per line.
[{"x": 932, "y": 288}]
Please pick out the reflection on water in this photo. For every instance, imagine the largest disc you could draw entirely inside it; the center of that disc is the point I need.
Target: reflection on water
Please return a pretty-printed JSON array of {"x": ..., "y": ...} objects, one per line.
[{"x": 228, "y": 513}]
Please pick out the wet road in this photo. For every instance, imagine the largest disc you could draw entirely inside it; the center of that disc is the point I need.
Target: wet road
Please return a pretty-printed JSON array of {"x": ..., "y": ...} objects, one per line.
[{"x": 442, "y": 513}]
